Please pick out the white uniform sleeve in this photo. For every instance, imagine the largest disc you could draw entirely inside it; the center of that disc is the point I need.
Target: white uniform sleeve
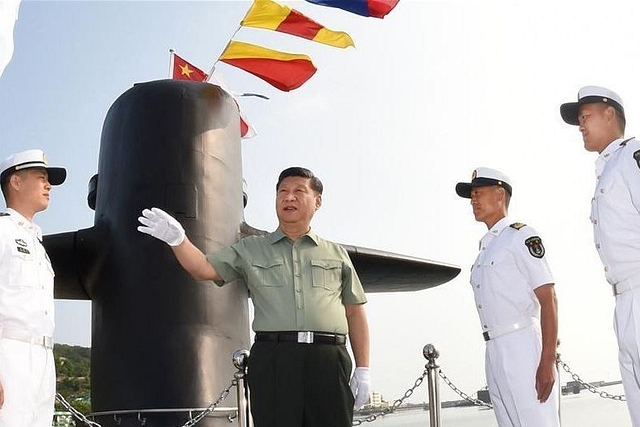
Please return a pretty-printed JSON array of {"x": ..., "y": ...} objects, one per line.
[
  {"x": 630, "y": 170},
  {"x": 531, "y": 257}
]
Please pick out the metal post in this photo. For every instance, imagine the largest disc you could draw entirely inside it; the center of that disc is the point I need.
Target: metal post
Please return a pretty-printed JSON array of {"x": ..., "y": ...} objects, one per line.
[
  {"x": 559, "y": 385},
  {"x": 433, "y": 369},
  {"x": 240, "y": 359}
]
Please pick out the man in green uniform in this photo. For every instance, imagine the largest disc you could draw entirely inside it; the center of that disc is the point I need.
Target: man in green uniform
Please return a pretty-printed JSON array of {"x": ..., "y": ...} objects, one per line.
[{"x": 307, "y": 297}]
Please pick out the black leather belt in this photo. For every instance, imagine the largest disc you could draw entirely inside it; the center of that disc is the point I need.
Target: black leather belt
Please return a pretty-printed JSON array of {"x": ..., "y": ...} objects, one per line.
[{"x": 302, "y": 337}]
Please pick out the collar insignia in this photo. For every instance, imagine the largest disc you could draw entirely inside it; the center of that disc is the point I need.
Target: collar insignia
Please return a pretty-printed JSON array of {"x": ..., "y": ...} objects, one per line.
[{"x": 23, "y": 250}]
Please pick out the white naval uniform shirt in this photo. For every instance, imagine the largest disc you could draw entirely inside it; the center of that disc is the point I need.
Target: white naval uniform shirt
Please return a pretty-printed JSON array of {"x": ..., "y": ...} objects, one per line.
[
  {"x": 26, "y": 277},
  {"x": 615, "y": 210},
  {"x": 510, "y": 265}
]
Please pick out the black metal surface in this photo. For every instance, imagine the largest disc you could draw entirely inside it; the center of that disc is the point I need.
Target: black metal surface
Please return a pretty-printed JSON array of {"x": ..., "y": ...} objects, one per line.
[
  {"x": 159, "y": 338},
  {"x": 77, "y": 257},
  {"x": 382, "y": 271}
]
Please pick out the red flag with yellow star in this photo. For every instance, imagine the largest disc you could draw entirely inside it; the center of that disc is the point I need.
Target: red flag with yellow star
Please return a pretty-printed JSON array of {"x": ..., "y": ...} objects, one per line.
[{"x": 183, "y": 70}]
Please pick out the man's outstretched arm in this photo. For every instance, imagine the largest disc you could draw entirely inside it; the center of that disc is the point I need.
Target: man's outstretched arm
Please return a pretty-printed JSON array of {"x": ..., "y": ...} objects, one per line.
[{"x": 159, "y": 224}]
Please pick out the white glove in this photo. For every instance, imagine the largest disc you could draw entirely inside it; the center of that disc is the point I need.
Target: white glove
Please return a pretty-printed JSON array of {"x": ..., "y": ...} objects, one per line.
[
  {"x": 161, "y": 225},
  {"x": 360, "y": 386}
]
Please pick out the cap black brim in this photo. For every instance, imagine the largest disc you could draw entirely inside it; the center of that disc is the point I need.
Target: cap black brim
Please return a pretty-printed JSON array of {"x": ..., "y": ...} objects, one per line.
[
  {"x": 56, "y": 175},
  {"x": 569, "y": 113},
  {"x": 463, "y": 189}
]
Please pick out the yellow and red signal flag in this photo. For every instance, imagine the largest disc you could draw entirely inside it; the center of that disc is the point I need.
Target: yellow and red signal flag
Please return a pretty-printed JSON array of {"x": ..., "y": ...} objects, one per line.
[
  {"x": 183, "y": 70},
  {"x": 269, "y": 15},
  {"x": 285, "y": 71}
]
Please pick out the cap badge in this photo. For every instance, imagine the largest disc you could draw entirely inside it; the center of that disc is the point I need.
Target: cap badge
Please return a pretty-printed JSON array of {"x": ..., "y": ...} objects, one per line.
[{"x": 474, "y": 175}]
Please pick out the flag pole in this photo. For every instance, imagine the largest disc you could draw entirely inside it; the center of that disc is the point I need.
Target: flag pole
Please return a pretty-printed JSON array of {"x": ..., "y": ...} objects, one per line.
[
  {"x": 171, "y": 52},
  {"x": 213, "y": 68}
]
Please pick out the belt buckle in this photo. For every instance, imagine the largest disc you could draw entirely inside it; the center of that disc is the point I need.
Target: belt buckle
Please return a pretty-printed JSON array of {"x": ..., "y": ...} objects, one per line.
[
  {"x": 305, "y": 337},
  {"x": 47, "y": 342}
]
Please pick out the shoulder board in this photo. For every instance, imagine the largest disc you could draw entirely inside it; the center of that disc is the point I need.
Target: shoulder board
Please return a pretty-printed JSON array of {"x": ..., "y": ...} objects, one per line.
[
  {"x": 624, "y": 143},
  {"x": 4, "y": 214},
  {"x": 517, "y": 225}
]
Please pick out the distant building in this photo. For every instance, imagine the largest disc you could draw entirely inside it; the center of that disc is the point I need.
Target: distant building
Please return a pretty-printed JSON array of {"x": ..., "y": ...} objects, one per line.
[
  {"x": 375, "y": 399},
  {"x": 375, "y": 403},
  {"x": 63, "y": 419}
]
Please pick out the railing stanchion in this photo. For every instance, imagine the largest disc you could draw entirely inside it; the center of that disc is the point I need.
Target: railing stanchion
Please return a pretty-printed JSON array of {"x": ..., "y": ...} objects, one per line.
[
  {"x": 433, "y": 369},
  {"x": 240, "y": 359},
  {"x": 559, "y": 384}
]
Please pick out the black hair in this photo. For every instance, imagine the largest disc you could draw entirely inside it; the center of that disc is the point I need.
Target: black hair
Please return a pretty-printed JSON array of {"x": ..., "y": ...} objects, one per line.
[
  {"x": 4, "y": 180},
  {"x": 316, "y": 184}
]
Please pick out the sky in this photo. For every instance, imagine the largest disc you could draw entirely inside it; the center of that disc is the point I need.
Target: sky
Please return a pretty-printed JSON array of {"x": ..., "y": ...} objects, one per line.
[{"x": 429, "y": 93}]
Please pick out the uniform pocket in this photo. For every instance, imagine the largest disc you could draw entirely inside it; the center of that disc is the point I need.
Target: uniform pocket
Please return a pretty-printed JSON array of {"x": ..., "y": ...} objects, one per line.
[
  {"x": 494, "y": 259},
  {"x": 326, "y": 274},
  {"x": 23, "y": 268},
  {"x": 269, "y": 273}
]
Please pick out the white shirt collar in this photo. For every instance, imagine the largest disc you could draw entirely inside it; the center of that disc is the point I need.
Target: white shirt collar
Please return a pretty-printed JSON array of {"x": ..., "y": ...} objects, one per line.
[
  {"x": 611, "y": 148},
  {"x": 23, "y": 222},
  {"x": 495, "y": 230}
]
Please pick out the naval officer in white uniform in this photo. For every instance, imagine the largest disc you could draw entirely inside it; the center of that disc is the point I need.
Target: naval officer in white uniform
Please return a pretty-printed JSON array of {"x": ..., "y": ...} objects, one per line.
[
  {"x": 515, "y": 298},
  {"x": 615, "y": 214},
  {"x": 27, "y": 369}
]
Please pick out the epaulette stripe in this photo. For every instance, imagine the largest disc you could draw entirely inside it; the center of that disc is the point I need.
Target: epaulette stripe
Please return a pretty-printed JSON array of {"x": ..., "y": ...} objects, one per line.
[{"x": 517, "y": 225}]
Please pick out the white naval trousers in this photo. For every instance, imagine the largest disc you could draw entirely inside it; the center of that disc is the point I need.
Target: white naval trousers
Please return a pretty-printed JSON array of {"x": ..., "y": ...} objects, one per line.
[
  {"x": 28, "y": 377},
  {"x": 511, "y": 362},
  {"x": 627, "y": 326}
]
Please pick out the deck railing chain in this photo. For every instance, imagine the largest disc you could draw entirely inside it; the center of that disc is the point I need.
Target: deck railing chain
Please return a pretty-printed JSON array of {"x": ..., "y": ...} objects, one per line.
[
  {"x": 593, "y": 389},
  {"x": 191, "y": 422},
  {"x": 396, "y": 403},
  {"x": 373, "y": 417},
  {"x": 462, "y": 394},
  {"x": 210, "y": 408},
  {"x": 76, "y": 414}
]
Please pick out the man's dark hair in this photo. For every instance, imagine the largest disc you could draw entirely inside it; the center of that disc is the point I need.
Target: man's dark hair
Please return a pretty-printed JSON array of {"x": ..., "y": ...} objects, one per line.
[
  {"x": 4, "y": 181},
  {"x": 620, "y": 118},
  {"x": 316, "y": 184},
  {"x": 622, "y": 121},
  {"x": 507, "y": 198}
]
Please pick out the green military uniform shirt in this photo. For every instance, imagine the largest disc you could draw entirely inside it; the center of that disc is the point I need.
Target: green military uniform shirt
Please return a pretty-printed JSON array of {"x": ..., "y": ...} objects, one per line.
[{"x": 299, "y": 285}]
